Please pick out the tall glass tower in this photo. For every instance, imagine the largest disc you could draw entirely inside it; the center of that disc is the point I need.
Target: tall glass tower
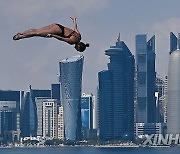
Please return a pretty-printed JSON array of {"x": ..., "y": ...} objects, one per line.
[
  {"x": 116, "y": 94},
  {"x": 173, "y": 93},
  {"x": 28, "y": 115},
  {"x": 87, "y": 101},
  {"x": 71, "y": 83},
  {"x": 146, "y": 77},
  {"x": 87, "y": 110}
]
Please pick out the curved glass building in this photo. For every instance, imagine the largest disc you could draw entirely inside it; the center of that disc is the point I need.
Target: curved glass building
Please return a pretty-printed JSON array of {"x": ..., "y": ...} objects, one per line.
[
  {"x": 71, "y": 83},
  {"x": 173, "y": 107},
  {"x": 28, "y": 116}
]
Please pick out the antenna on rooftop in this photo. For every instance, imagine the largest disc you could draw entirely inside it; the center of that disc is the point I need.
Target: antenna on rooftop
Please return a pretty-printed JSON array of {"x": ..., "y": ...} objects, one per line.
[{"x": 119, "y": 38}]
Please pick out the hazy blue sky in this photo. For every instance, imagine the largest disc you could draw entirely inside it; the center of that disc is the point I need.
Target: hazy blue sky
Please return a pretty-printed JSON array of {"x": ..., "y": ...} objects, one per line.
[{"x": 35, "y": 61}]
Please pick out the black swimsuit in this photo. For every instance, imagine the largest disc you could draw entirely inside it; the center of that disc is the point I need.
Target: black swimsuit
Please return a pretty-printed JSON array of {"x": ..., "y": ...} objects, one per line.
[
  {"x": 73, "y": 33},
  {"x": 62, "y": 28}
]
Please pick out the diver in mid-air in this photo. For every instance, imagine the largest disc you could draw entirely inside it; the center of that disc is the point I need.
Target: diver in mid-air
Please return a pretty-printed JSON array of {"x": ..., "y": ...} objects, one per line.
[{"x": 57, "y": 31}]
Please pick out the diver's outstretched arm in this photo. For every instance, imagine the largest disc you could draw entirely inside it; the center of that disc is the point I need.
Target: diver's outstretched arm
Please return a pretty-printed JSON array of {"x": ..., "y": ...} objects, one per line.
[{"x": 74, "y": 23}]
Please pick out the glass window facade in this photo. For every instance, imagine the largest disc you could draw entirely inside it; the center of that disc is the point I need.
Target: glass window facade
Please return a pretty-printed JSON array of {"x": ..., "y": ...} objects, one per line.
[
  {"x": 8, "y": 118},
  {"x": 146, "y": 76},
  {"x": 71, "y": 84},
  {"x": 55, "y": 91},
  {"x": 142, "y": 78}
]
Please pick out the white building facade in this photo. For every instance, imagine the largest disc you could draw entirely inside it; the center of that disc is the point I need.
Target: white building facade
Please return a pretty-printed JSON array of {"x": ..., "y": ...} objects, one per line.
[{"x": 49, "y": 118}]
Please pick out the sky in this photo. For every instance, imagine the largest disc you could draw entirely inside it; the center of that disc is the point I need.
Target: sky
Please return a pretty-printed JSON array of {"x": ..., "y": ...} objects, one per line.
[{"x": 35, "y": 61}]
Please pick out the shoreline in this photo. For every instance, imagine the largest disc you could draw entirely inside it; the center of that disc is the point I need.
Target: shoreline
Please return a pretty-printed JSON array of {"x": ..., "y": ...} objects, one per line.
[{"x": 92, "y": 146}]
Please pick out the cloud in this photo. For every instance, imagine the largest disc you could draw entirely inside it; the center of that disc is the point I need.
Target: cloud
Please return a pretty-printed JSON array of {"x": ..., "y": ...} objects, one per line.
[{"x": 164, "y": 27}]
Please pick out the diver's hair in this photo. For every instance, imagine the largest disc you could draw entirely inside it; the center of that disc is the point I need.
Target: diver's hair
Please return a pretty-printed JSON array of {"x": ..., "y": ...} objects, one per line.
[
  {"x": 83, "y": 46},
  {"x": 87, "y": 44}
]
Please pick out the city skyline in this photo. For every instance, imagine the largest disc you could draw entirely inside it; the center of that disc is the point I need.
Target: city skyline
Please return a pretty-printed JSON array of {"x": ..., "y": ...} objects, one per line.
[
  {"x": 115, "y": 95},
  {"x": 27, "y": 61},
  {"x": 124, "y": 87}
]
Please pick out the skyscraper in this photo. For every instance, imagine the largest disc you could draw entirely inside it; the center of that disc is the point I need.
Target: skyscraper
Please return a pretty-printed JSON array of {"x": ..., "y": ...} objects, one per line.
[
  {"x": 10, "y": 115},
  {"x": 173, "y": 94},
  {"x": 116, "y": 94},
  {"x": 96, "y": 110},
  {"x": 28, "y": 116},
  {"x": 174, "y": 42},
  {"x": 145, "y": 65},
  {"x": 71, "y": 84},
  {"x": 159, "y": 92},
  {"x": 87, "y": 113},
  {"x": 9, "y": 121},
  {"x": 87, "y": 110},
  {"x": 39, "y": 105},
  {"x": 60, "y": 123},
  {"x": 49, "y": 118}
]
